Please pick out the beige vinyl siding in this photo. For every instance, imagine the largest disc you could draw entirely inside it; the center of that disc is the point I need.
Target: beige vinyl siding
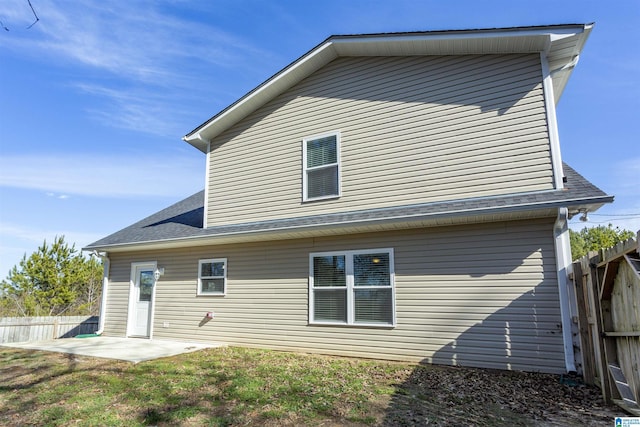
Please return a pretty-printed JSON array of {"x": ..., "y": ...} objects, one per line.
[
  {"x": 413, "y": 130},
  {"x": 118, "y": 298},
  {"x": 475, "y": 295}
]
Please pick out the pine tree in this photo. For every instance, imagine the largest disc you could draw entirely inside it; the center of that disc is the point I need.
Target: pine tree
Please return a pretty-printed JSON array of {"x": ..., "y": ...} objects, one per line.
[{"x": 56, "y": 279}]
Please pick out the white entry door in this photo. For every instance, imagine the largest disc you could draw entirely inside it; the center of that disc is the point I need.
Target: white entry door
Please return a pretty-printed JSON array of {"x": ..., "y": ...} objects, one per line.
[{"x": 143, "y": 282}]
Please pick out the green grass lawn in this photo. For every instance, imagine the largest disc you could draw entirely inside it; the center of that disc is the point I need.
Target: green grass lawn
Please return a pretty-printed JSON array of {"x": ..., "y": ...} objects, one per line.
[{"x": 236, "y": 386}]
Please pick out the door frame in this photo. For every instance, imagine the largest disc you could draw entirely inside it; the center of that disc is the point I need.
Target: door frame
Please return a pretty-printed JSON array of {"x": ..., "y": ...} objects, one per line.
[{"x": 131, "y": 314}]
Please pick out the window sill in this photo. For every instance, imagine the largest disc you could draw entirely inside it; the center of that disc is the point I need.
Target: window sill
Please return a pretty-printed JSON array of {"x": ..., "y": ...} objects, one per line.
[
  {"x": 319, "y": 199},
  {"x": 199, "y": 294},
  {"x": 355, "y": 325}
]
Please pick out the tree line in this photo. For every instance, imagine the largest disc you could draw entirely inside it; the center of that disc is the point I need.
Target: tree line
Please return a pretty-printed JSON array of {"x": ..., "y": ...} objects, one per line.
[
  {"x": 54, "y": 280},
  {"x": 596, "y": 238}
]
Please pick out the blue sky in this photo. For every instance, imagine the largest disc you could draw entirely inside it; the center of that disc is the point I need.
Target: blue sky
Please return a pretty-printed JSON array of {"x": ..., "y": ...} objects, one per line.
[{"x": 95, "y": 97}]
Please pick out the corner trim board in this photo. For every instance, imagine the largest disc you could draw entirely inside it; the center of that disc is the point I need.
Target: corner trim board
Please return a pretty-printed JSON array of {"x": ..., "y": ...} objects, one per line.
[
  {"x": 207, "y": 174},
  {"x": 552, "y": 124}
]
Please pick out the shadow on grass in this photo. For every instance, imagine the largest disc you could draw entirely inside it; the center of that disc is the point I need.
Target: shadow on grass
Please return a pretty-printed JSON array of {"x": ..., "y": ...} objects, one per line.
[
  {"x": 43, "y": 371},
  {"x": 185, "y": 390},
  {"x": 43, "y": 388},
  {"x": 30, "y": 379}
]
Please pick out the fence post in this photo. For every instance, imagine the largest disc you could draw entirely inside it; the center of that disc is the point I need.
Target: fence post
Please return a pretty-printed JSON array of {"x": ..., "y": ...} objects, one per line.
[
  {"x": 586, "y": 340},
  {"x": 56, "y": 324}
]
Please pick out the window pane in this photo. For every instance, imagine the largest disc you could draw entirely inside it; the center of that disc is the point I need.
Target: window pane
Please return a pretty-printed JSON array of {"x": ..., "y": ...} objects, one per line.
[
  {"x": 322, "y": 182},
  {"x": 213, "y": 286},
  {"x": 330, "y": 305},
  {"x": 373, "y": 306},
  {"x": 146, "y": 285},
  {"x": 371, "y": 270},
  {"x": 209, "y": 269},
  {"x": 205, "y": 269},
  {"x": 217, "y": 269},
  {"x": 329, "y": 271},
  {"x": 322, "y": 151}
]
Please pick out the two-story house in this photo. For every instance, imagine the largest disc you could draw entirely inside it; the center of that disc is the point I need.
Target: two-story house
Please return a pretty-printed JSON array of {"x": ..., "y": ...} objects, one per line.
[{"x": 397, "y": 196}]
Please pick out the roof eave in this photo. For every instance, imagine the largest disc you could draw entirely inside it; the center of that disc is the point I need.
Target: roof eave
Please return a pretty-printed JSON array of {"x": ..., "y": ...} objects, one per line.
[{"x": 453, "y": 217}]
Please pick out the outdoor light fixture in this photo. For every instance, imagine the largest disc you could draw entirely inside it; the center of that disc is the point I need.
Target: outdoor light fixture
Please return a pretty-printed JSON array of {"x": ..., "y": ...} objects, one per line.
[
  {"x": 159, "y": 272},
  {"x": 584, "y": 217}
]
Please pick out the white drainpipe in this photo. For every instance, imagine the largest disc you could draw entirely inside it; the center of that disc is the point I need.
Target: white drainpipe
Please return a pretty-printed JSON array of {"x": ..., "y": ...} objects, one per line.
[
  {"x": 106, "y": 263},
  {"x": 563, "y": 269}
]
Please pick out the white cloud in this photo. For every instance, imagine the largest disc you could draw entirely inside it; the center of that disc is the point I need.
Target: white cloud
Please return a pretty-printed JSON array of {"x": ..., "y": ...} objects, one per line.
[
  {"x": 58, "y": 196},
  {"x": 137, "y": 40},
  {"x": 140, "y": 176},
  {"x": 145, "y": 64},
  {"x": 138, "y": 109}
]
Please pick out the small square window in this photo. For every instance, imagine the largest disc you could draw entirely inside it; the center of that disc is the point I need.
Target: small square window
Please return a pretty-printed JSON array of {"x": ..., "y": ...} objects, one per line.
[
  {"x": 321, "y": 164},
  {"x": 212, "y": 276}
]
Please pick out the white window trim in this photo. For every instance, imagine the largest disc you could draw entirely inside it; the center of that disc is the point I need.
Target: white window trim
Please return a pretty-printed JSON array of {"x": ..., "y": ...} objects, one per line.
[
  {"x": 304, "y": 166},
  {"x": 350, "y": 287},
  {"x": 200, "y": 277}
]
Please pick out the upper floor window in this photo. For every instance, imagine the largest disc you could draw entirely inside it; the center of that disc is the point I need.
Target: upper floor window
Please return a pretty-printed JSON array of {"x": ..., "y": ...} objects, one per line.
[
  {"x": 321, "y": 160},
  {"x": 212, "y": 276}
]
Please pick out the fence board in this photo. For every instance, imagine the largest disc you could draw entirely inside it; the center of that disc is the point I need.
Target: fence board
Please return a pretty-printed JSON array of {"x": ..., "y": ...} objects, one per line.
[
  {"x": 21, "y": 329},
  {"x": 614, "y": 278},
  {"x": 589, "y": 370}
]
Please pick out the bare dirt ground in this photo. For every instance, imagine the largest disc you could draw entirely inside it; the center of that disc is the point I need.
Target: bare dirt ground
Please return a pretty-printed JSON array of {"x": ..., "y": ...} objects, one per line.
[{"x": 466, "y": 396}]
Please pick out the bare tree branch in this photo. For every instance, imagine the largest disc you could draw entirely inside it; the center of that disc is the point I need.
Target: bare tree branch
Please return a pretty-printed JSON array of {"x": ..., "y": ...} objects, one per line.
[{"x": 34, "y": 14}]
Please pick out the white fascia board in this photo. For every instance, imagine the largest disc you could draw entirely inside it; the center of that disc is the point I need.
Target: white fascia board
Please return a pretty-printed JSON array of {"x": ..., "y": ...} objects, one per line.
[{"x": 461, "y": 35}]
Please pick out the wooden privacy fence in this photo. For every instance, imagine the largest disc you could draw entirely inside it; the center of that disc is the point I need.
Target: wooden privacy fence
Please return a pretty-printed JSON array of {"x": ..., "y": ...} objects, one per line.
[
  {"x": 608, "y": 296},
  {"x": 20, "y": 329}
]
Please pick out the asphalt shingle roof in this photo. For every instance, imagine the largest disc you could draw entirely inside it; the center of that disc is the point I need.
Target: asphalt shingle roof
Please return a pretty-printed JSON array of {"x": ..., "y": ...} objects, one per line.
[{"x": 185, "y": 219}]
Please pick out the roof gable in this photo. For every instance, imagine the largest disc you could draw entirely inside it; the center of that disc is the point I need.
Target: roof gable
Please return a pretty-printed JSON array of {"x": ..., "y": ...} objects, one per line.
[{"x": 562, "y": 45}]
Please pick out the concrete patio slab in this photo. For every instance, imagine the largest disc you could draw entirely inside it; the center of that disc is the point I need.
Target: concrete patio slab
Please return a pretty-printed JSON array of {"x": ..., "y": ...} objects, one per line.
[{"x": 130, "y": 349}]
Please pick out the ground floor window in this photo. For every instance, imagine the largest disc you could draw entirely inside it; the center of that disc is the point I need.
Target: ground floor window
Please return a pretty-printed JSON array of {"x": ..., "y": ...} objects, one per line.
[
  {"x": 212, "y": 276},
  {"x": 352, "y": 287}
]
